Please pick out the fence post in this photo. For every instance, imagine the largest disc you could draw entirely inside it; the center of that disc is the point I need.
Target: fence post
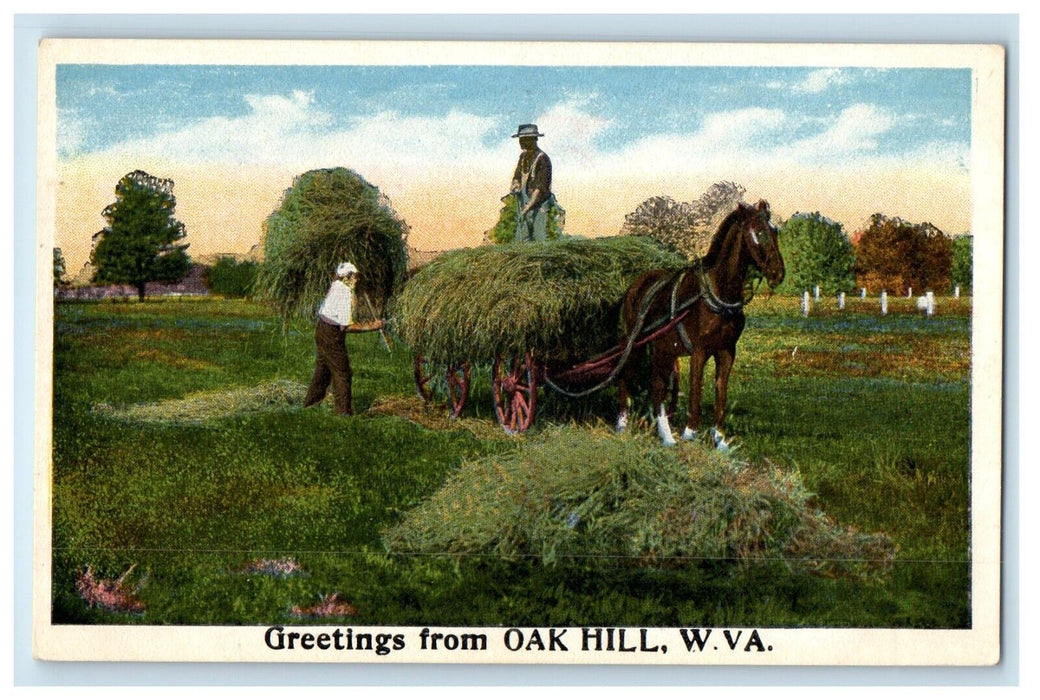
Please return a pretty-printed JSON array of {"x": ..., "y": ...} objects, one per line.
[
  {"x": 884, "y": 302},
  {"x": 805, "y": 303},
  {"x": 909, "y": 292},
  {"x": 862, "y": 292},
  {"x": 957, "y": 291},
  {"x": 816, "y": 293},
  {"x": 841, "y": 301},
  {"x": 929, "y": 303}
]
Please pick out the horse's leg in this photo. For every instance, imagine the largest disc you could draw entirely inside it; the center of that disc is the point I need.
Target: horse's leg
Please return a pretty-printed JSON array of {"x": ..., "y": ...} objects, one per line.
[
  {"x": 622, "y": 416},
  {"x": 693, "y": 415},
  {"x": 723, "y": 364},
  {"x": 661, "y": 371}
]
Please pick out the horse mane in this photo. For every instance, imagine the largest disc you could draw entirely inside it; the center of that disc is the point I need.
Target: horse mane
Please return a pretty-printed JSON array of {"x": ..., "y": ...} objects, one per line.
[{"x": 712, "y": 256}]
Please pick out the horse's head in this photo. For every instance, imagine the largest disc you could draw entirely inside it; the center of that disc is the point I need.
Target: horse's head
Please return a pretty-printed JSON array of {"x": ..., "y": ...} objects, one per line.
[{"x": 760, "y": 239}]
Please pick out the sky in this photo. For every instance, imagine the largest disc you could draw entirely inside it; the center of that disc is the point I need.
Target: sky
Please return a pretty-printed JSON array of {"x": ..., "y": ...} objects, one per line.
[{"x": 847, "y": 142}]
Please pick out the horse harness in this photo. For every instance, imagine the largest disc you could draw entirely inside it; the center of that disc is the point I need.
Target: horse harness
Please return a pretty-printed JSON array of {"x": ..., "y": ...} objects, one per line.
[{"x": 677, "y": 312}]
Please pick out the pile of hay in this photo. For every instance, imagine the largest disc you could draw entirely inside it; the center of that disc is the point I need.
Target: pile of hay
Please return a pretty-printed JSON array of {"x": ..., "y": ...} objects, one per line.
[
  {"x": 560, "y": 298},
  {"x": 210, "y": 405},
  {"x": 593, "y": 498},
  {"x": 326, "y": 217}
]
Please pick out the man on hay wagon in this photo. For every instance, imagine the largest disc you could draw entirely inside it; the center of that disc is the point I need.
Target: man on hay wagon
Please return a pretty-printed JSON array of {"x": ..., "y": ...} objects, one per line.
[
  {"x": 532, "y": 187},
  {"x": 335, "y": 320}
]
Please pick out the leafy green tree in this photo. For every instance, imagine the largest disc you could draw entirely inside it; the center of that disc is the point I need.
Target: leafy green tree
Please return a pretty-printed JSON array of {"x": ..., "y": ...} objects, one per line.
[
  {"x": 960, "y": 273},
  {"x": 59, "y": 268},
  {"x": 816, "y": 252},
  {"x": 141, "y": 242},
  {"x": 897, "y": 255},
  {"x": 231, "y": 278}
]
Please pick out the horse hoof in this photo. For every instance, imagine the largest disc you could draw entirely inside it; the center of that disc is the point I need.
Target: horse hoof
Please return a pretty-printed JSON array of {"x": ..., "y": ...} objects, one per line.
[
  {"x": 689, "y": 435},
  {"x": 669, "y": 443}
]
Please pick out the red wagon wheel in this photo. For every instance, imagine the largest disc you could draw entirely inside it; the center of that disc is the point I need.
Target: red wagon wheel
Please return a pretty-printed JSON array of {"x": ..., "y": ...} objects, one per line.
[
  {"x": 458, "y": 387},
  {"x": 515, "y": 391},
  {"x": 423, "y": 378}
]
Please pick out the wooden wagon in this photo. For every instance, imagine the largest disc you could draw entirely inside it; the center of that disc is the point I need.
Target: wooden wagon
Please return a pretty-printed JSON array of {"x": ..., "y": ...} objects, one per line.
[{"x": 541, "y": 314}]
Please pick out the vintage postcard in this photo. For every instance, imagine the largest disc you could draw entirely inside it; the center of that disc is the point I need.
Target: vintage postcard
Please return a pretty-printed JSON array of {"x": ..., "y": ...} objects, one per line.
[{"x": 503, "y": 352}]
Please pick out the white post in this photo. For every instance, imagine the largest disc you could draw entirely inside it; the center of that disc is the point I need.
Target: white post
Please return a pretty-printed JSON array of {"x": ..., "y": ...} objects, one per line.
[
  {"x": 841, "y": 301},
  {"x": 816, "y": 293},
  {"x": 957, "y": 291},
  {"x": 862, "y": 292},
  {"x": 805, "y": 303},
  {"x": 909, "y": 292},
  {"x": 930, "y": 303},
  {"x": 884, "y": 302}
]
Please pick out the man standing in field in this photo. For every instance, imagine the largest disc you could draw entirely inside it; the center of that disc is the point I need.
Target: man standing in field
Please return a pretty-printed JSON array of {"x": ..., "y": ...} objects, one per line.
[
  {"x": 335, "y": 320},
  {"x": 532, "y": 185}
]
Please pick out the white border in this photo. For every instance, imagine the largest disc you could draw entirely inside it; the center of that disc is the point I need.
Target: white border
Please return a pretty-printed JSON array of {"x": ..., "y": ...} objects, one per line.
[{"x": 978, "y": 646}]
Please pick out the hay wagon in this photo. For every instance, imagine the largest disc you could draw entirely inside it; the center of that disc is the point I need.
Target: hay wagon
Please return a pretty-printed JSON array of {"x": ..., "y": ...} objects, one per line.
[{"x": 539, "y": 314}]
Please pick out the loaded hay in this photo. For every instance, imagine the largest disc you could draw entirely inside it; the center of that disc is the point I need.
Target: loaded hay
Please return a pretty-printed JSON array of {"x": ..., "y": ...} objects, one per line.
[
  {"x": 593, "y": 498},
  {"x": 329, "y": 216},
  {"x": 561, "y": 299}
]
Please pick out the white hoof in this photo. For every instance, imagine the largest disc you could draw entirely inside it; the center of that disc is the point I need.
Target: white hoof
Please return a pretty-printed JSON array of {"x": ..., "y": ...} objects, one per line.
[
  {"x": 664, "y": 429},
  {"x": 689, "y": 435},
  {"x": 622, "y": 423},
  {"x": 721, "y": 443}
]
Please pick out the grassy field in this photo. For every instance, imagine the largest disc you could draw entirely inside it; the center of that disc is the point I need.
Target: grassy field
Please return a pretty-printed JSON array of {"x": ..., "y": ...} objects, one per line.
[{"x": 217, "y": 507}]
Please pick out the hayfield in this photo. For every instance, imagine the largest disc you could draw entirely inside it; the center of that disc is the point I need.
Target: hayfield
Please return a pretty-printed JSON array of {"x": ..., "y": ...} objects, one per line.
[{"x": 190, "y": 487}]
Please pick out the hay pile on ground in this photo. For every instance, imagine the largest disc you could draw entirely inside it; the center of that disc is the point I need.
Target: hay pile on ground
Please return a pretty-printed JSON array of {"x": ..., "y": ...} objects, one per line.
[
  {"x": 597, "y": 499},
  {"x": 327, "y": 217},
  {"x": 211, "y": 405},
  {"x": 560, "y": 298}
]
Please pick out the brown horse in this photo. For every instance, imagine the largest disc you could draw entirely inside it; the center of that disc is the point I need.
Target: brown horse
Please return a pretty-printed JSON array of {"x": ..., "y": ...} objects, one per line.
[{"x": 703, "y": 304}]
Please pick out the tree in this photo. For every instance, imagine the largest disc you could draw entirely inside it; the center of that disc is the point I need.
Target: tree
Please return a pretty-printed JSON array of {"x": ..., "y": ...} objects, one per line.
[
  {"x": 59, "y": 268},
  {"x": 232, "y": 278},
  {"x": 961, "y": 269},
  {"x": 140, "y": 243},
  {"x": 686, "y": 227},
  {"x": 898, "y": 255},
  {"x": 816, "y": 252}
]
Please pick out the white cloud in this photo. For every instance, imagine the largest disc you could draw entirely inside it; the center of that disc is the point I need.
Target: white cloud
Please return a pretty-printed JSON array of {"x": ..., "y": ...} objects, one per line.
[
  {"x": 573, "y": 130},
  {"x": 725, "y": 139},
  {"x": 71, "y": 132},
  {"x": 820, "y": 80},
  {"x": 855, "y": 132}
]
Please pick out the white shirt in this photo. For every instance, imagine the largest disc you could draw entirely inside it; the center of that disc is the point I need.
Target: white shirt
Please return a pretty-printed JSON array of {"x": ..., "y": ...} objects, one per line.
[{"x": 338, "y": 307}]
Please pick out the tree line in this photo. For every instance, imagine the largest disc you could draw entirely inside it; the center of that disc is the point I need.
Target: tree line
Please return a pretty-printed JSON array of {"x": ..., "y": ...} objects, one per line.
[
  {"x": 143, "y": 241},
  {"x": 889, "y": 253}
]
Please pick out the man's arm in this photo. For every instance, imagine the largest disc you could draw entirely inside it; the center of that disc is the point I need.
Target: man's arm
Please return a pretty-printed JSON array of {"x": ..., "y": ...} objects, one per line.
[{"x": 365, "y": 326}]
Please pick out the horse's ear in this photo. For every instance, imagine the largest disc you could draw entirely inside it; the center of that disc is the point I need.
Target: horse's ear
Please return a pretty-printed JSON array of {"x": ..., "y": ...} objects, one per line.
[{"x": 763, "y": 205}]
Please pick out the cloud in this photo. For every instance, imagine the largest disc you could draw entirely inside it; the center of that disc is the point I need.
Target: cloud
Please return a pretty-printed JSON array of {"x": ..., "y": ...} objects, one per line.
[
  {"x": 855, "y": 132},
  {"x": 71, "y": 133},
  {"x": 573, "y": 129},
  {"x": 822, "y": 79},
  {"x": 724, "y": 140}
]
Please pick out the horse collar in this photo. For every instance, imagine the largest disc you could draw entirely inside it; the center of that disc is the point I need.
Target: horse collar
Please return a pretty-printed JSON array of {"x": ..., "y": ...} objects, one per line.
[{"x": 711, "y": 298}]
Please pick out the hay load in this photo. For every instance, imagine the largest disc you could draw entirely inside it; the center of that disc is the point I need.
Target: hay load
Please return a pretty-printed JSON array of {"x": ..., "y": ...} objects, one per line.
[
  {"x": 593, "y": 498},
  {"x": 559, "y": 298},
  {"x": 326, "y": 217}
]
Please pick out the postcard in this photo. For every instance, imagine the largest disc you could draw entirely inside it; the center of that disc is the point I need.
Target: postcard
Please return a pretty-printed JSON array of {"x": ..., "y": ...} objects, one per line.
[{"x": 519, "y": 352}]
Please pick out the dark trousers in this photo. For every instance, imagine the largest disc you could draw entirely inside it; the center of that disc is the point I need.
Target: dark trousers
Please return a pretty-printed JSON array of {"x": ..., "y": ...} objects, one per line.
[{"x": 331, "y": 365}]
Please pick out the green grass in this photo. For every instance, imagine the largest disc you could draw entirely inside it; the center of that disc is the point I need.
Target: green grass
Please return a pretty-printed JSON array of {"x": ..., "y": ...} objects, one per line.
[{"x": 872, "y": 413}]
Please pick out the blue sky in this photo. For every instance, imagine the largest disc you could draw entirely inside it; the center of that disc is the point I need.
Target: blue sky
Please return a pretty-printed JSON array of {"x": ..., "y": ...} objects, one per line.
[
  {"x": 101, "y": 106},
  {"x": 847, "y": 142}
]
